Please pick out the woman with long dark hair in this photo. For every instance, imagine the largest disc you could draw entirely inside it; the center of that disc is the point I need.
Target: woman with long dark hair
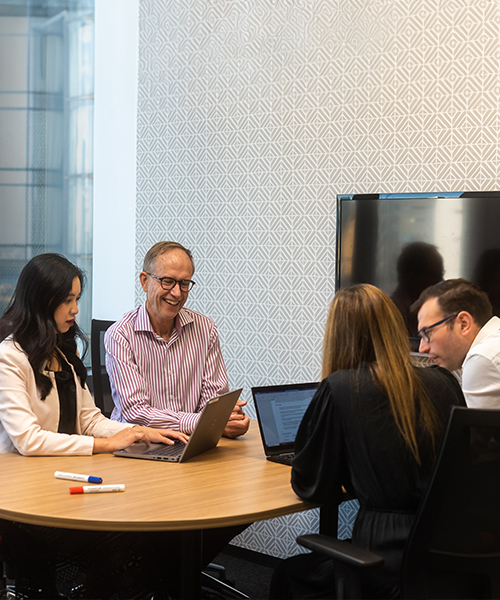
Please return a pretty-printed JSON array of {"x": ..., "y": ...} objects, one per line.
[
  {"x": 46, "y": 409},
  {"x": 373, "y": 427},
  {"x": 45, "y": 406}
]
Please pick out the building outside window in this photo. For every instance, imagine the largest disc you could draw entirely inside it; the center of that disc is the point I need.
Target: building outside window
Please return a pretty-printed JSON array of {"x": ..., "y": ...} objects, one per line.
[{"x": 46, "y": 140}]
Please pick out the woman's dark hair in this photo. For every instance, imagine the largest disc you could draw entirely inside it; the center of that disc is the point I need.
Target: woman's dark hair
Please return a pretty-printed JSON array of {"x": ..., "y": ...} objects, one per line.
[
  {"x": 45, "y": 282},
  {"x": 456, "y": 295}
]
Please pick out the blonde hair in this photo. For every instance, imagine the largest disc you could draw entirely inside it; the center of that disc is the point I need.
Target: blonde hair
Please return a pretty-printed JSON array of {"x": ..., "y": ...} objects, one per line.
[{"x": 364, "y": 326}]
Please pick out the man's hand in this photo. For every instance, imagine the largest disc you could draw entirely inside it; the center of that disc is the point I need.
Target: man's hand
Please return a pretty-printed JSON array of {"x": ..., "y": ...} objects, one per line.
[
  {"x": 238, "y": 423},
  {"x": 162, "y": 436}
]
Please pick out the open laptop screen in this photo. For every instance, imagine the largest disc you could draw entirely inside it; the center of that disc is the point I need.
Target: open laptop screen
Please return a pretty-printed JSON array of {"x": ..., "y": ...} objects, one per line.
[{"x": 280, "y": 410}]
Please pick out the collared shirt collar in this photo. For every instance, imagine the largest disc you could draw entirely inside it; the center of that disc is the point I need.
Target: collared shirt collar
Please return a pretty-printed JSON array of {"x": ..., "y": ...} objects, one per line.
[
  {"x": 486, "y": 330},
  {"x": 143, "y": 322}
]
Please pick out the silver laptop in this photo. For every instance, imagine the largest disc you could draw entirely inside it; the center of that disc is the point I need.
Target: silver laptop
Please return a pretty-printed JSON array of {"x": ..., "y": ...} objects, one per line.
[{"x": 206, "y": 434}]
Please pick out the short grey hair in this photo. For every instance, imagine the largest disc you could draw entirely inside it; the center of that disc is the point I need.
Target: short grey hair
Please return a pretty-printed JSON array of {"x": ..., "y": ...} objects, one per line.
[{"x": 160, "y": 248}]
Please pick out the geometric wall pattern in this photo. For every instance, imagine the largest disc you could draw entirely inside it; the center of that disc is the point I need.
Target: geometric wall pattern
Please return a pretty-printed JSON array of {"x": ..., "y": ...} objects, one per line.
[{"x": 253, "y": 115}]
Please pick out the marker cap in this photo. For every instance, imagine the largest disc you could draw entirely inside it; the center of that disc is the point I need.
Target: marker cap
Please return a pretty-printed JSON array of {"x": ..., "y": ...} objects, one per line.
[
  {"x": 76, "y": 490},
  {"x": 95, "y": 479}
]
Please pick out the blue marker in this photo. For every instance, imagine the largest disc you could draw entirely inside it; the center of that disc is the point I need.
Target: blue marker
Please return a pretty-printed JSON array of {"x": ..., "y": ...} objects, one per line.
[{"x": 76, "y": 477}]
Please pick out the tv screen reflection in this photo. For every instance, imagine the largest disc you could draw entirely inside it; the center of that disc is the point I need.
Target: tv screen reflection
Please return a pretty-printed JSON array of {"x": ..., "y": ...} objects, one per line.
[{"x": 402, "y": 243}]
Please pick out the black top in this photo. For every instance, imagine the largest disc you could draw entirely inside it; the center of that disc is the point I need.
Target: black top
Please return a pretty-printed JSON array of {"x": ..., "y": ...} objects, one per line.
[
  {"x": 348, "y": 438},
  {"x": 66, "y": 389}
]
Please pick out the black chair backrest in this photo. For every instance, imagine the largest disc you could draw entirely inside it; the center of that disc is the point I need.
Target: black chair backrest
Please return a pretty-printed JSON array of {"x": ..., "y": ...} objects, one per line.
[
  {"x": 454, "y": 547},
  {"x": 100, "y": 379}
]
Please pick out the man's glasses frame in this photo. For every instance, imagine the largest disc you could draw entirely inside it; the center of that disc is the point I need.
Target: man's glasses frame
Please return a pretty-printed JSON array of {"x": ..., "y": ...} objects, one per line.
[
  {"x": 168, "y": 283},
  {"x": 424, "y": 332}
]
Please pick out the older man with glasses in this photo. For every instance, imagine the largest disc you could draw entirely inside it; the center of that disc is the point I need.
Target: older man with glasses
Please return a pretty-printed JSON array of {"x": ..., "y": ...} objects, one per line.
[
  {"x": 457, "y": 330},
  {"x": 164, "y": 361}
]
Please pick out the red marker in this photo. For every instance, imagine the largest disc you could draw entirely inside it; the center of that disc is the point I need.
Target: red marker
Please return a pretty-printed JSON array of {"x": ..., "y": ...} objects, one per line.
[{"x": 97, "y": 489}]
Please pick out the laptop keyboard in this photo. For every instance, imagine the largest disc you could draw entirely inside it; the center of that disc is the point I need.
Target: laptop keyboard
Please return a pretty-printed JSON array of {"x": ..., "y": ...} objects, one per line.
[
  {"x": 283, "y": 459},
  {"x": 170, "y": 450}
]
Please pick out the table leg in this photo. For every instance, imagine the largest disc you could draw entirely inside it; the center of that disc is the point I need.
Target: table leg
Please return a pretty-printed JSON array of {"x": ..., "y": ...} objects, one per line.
[
  {"x": 329, "y": 520},
  {"x": 190, "y": 575}
]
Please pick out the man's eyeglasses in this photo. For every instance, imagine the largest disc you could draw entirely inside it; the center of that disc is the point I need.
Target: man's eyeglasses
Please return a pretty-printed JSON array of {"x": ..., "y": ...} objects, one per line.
[
  {"x": 424, "y": 332},
  {"x": 168, "y": 283}
]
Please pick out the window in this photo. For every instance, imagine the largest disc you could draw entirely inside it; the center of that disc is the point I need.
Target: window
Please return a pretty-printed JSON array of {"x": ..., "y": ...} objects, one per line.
[{"x": 46, "y": 147}]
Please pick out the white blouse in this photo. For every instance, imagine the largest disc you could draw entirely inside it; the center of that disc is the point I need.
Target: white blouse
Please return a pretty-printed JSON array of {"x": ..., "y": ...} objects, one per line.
[{"x": 29, "y": 424}]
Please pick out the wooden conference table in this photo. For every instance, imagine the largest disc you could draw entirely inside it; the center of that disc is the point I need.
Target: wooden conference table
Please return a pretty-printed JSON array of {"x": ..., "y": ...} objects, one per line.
[{"x": 232, "y": 484}]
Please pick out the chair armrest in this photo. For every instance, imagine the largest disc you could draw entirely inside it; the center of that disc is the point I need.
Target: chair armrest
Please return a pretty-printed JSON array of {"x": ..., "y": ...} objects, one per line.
[{"x": 341, "y": 550}]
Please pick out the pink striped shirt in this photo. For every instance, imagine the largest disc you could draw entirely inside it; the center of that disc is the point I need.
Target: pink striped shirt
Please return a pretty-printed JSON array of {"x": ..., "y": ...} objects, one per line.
[{"x": 164, "y": 384}]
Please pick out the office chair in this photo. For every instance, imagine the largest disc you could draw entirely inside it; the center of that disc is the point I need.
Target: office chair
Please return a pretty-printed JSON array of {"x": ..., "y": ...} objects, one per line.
[
  {"x": 453, "y": 550},
  {"x": 104, "y": 401},
  {"x": 3, "y": 573},
  {"x": 100, "y": 379}
]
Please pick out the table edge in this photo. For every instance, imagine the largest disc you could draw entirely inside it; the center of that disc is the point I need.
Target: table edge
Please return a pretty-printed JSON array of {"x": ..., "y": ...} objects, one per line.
[{"x": 98, "y": 525}]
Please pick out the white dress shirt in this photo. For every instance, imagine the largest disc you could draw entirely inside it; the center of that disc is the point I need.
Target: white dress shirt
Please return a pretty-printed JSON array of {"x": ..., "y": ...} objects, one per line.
[{"x": 481, "y": 368}]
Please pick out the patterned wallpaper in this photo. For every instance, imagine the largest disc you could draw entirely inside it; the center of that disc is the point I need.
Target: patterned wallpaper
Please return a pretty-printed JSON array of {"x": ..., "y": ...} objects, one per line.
[{"x": 254, "y": 114}]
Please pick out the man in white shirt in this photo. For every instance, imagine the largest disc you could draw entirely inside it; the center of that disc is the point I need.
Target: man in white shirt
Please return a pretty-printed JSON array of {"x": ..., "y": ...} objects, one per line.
[{"x": 457, "y": 330}]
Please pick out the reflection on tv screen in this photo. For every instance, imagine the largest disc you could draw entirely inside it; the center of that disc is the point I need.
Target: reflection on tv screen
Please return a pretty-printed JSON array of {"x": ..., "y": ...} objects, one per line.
[{"x": 402, "y": 243}]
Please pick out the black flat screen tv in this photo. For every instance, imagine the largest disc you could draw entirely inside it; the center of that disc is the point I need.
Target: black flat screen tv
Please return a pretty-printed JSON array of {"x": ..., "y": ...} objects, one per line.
[{"x": 402, "y": 243}]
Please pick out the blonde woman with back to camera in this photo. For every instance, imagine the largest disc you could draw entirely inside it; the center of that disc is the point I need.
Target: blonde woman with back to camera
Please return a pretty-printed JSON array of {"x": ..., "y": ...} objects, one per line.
[{"x": 373, "y": 427}]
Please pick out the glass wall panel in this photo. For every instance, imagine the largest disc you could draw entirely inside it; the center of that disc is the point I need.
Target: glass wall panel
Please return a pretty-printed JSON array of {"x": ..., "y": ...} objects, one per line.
[{"x": 46, "y": 147}]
